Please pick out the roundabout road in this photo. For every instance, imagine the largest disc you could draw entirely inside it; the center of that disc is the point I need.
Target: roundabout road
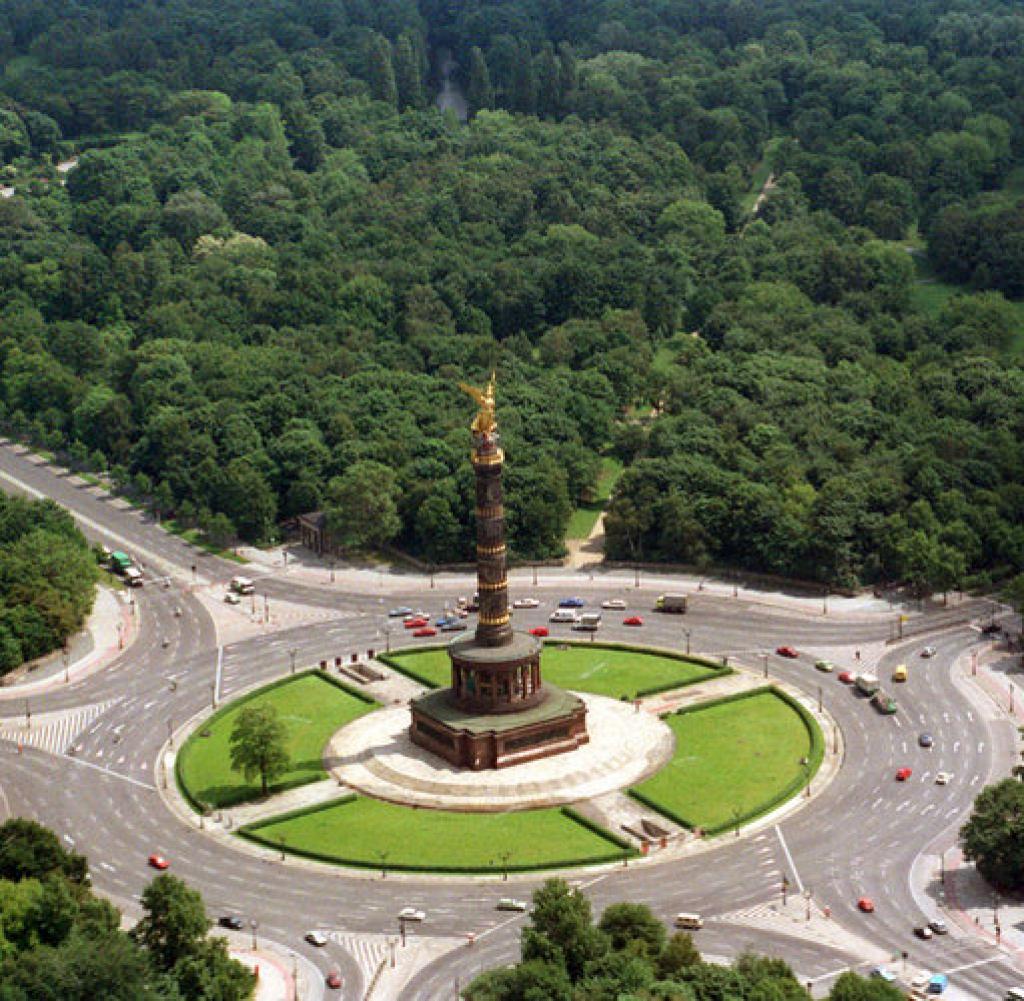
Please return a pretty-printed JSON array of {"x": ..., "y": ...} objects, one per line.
[{"x": 862, "y": 835}]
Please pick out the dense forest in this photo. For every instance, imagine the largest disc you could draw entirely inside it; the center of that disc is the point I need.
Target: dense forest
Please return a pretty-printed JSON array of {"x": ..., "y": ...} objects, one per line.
[
  {"x": 47, "y": 579},
  {"x": 61, "y": 942},
  {"x": 627, "y": 955},
  {"x": 274, "y": 258}
]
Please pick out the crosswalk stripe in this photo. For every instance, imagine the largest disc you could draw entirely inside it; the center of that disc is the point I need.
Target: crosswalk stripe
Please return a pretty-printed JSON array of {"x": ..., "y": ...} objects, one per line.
[{"x": 53, "y": 732}]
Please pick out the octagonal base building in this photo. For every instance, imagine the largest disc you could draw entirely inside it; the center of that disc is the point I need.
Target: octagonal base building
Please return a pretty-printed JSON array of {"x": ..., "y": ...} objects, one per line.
[{"x": 498, "y": 711}]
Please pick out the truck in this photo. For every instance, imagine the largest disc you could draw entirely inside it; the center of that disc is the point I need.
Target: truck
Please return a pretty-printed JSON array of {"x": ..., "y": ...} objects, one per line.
[
  {"x": 867, "y": 683},
  {"x": 588, "y": 622},
  {"x": 119, "y": 562},
  {"x": 673, "y": 603},
  {"x": 884, "y": 703},
  {"x": 242, "y": 585},
  {"x": 133, "y": 576}
]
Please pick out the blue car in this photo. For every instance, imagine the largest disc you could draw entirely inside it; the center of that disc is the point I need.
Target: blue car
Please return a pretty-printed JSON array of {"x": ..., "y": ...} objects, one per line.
[{"x": 571, "y": 603}]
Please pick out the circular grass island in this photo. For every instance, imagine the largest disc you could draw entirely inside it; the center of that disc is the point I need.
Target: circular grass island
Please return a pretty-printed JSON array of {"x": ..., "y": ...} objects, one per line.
[{"x": 734, "y": 758}]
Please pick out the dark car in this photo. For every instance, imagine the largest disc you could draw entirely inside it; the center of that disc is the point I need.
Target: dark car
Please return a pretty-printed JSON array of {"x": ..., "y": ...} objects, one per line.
[
  {"x": 991, "y": 629},
  {"x": 923, "y": 931},
  {"x": 571, "y": 603},
  {"x": 453, "y": 626},
  {"x": 925, "y": 740},
  {"x": 938, "y": 926},
  {"x": 230, "y": 921},
  {"x": 333, "y": 979}
]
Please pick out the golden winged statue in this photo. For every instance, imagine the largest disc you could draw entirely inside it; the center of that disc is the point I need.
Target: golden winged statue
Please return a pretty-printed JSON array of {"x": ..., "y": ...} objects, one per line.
[{"x": 484, "y": 422}]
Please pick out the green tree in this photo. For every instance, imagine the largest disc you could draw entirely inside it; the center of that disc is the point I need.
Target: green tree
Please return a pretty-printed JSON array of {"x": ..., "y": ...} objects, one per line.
[
  {"x": 174, "y": 922},
  {"x": 679, "y": 953},
  {"x": 632, "y": 927},
  {"x": 383, "y": 86},
  {"x": 407, "y": 74},
  {"x": 259, "y": 744},
  {"x": 479, "y": 93},
  {"x": 362, "y": 507},
  {"x": 561, "y": 931},
  {"x": 993, "y": 837},
  {"x": 849, "y": 986},
  {"x": 30, "y": 851}
]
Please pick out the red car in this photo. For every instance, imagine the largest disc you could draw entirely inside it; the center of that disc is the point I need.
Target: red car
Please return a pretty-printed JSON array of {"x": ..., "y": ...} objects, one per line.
[
  {"x": 633, "y": 620},
  {"x": 903, "y": 774},
  {"x": 425, "y": 631},
  {"x": 540, "y": 631},
  {"x": 866, "y": 904},
  {"x": 333, "y": 979},
  {"x": 846, "y": 677},
  {"x": 158, "y": 862},
  {"x": 787, "y": 651},
  {"x": 414, "y": 623}
]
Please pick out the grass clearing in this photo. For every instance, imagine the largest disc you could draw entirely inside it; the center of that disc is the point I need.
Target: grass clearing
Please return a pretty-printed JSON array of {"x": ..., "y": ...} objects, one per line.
[
  {"x": 616, "y": 672},
  {"x": 761, "y": 173},
  {"x": 583, "y": 519},
  {"x": 732, "y": 759},
  {"x": 312, "y": 708},
  {"x": 195, "y": 537},
  {"x": 372, "y": 833}
]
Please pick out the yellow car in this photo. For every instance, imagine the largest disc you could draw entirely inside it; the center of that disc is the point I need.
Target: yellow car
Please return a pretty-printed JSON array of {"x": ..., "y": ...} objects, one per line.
[{"x": 900, "y": 674}]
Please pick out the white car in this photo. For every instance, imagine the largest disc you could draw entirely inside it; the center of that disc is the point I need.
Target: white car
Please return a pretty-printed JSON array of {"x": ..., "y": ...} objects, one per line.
[
  {"x": 317, "y": 938},
  {"x": 613, "y": 603},
  {"x": 511, "y": 904},
  {"x": 942, "y": 778},
  {"x": 231, "y": 598},
  {"x": 928, "y": 651},
  {"x": 526, "y": 603},
  {"x": 921, "y": 979},
  {"x": 411, "y": 914}
]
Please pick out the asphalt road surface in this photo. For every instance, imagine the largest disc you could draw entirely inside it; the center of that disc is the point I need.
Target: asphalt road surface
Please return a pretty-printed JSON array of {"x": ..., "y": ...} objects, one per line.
[{"x": 864, "y": 835}]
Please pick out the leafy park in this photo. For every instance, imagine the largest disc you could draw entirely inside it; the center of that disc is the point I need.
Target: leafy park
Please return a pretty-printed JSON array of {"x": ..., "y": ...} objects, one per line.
[
  {"x": 614, "y": 671},
  {"x": 306, "y": 709}
]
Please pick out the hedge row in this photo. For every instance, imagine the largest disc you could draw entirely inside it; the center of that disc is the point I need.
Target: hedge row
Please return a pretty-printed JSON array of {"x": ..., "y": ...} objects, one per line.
[
  {"x": 251, "y": 832},
  {"x": 817, "y": 753},
  {"x": 277, "y": 787}
]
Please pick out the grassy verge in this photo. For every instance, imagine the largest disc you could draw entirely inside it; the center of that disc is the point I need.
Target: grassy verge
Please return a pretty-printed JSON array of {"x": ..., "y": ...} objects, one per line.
[
  {"x": 312, "y": 705},
  {"x": 612, "y": 670},
  {"x": 194, "y": 537},
  {"x": 373, "y": 834},
  {"x": 761, "y": 172},
  {"x": 583, "y": 519},
  {"x": 735, "y": 759}
]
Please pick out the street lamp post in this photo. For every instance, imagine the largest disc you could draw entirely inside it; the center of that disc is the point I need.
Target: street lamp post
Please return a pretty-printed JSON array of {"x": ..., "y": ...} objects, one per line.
[
  {"x": 686, "y": 633},
  {"x": 66, "y": 657},
  {"x": 170, "y": 732},
  {"x": 807, "y": 904},
  {"x": 764, "y": 663},
  {"x": 254, "y": 924},
  {"x": 213, "y": 694},
  {"x": 28, "y": 716},
  {"x": 819, "y": 698},
  {"x": 383, "y": 857},
  {"x": 332, "y": 569},
  {"x": 401, "y": 929},
  {"x": 736, "y": 821},
  {"x": 807, "y": 777},
  {"x": 292, "y": 653}
]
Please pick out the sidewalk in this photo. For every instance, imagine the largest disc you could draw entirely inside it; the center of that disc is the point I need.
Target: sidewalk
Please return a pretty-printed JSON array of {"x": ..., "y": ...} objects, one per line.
[
  {"x": 275, "y": 981},
  {"x": 108, "y": 632}
]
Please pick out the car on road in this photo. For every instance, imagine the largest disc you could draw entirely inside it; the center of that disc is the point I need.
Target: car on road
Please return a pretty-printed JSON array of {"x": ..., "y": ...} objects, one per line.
[
  {"x": 232, "y": 921},
  {"x": 925, "y": 740},
  {"x": 928, "y": 651},
  {"x": 333, "y": 980},
  {"x": 991, "y": 629},
  {"x": 787, "y": 651},
  {"x": 511, "y": 904},
  {"x": 882, "y": 973},
  {"x": 317, "y": 938},
  {"x": 158, "y": 862},
  {"x": 938, "y": 926},
  {"x": 824, "y": 665},
  {"x": 424, "y": 631},
  {"x": 571, "y": 603},
  {"x": 942, "y": 778},
  {"x": 453, "y": 626},
  {"x": 415, "y": 622},
  {"x": 920, "y": 980},
  {"x": 411, "y": 914},
  {"x": 231, "y": 598},
  {"x": 613, "y": 603},
  {"x": 632, "y": 620},
  {"x": 846, "y": 677},
  {"x": 866, "y": 904},
  {"x": 902, "y": 774},
  {"x": 899, "y": 672},
  {"x": 540, "y": 631},
  {"x": 400, "y": 612},
  {"x": 526, "y": 603},
  {"x": 923, "y": 931}
]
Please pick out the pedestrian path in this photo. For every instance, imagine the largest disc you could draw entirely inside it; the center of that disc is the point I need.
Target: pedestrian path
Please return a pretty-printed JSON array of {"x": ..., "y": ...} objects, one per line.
[{"x": 52, "y": 732}]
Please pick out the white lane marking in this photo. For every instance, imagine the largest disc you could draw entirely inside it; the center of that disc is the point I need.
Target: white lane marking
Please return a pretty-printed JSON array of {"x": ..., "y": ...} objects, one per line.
[
  {"x": 971, "y": 966},
  {"x": 111, "y": 773},
  {"x": 789, "y": 859}
]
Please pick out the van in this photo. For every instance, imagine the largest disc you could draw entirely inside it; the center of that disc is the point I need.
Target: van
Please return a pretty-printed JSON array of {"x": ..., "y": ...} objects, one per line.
[
  {"x": 562, "y": 615},
  {"x": 689, "y": 920},
  {"x": 900, "y": 673},
  {"x": 242, "y": 585},
  {"x": 590, "y": 621}
]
